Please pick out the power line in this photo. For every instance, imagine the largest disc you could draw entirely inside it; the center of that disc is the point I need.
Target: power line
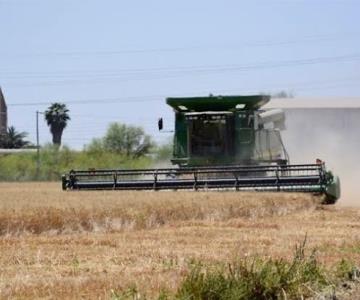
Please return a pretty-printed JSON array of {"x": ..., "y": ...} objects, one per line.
[
  {"x": 249, "y": 44},
  {"x": 160, "y": 98},
  {"x": 167, "y": 73},
  {"x": 93, "y": 101},
  {"x": 96, "y": 74}
]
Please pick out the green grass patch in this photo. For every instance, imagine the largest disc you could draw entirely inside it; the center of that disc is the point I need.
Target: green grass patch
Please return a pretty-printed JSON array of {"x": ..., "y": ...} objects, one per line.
[
  {"x": 54, "y": 162},
  {"x": 256, "y": 278}
]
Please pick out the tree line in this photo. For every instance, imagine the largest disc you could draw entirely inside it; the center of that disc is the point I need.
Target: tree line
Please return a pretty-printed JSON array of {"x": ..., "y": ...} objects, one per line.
[{"x": 123, "y": 139}]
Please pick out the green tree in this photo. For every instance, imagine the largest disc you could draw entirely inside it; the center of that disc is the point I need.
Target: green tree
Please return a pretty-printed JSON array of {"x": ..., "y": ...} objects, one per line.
[
  {"x": 96, "y": 146},
  {"x": 124, "y": 139},
  {"x": 13, "y": 139},
  {"x": 57, "y": 117}
]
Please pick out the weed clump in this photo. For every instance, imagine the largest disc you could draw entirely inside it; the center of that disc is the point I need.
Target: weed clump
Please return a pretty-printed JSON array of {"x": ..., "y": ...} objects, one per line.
[{"x": 257, "y": 279}]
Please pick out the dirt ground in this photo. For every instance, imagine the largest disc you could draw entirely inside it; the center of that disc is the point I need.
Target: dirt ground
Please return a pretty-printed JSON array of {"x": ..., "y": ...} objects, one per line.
[{"x": 56, "y": 244}]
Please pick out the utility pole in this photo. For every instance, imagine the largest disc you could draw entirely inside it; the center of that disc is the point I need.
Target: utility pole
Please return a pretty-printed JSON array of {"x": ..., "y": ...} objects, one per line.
[{"x": 37, "y": 144}]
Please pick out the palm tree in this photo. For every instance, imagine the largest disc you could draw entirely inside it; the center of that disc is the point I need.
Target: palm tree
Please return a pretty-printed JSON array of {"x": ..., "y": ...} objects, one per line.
[
  {"x": 13, "y": 139},
  {"x": 57, "y": 117}
]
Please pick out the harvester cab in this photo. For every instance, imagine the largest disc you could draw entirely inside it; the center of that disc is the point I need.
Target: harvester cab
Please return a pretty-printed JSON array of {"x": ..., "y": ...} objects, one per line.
[
  {"x": 227, "y": 130},
  {"x": 220, "y": 142}
]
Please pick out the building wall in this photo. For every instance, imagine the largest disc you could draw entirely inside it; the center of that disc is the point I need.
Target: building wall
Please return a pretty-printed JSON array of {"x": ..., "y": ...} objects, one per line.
[{"x": 3, "y": 114}]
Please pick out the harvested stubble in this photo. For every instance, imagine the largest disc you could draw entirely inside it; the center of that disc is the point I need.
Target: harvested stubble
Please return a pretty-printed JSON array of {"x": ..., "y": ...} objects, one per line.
[
  {"x": 40, "y": 208},
  {"x": 84, "y": 244}
]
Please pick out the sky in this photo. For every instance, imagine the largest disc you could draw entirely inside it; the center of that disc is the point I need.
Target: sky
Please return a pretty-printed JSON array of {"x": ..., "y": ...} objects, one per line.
[{"x": 117, "y": 61}]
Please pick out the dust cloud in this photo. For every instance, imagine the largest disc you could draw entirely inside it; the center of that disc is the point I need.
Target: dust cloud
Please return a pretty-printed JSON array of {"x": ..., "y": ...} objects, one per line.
[{"x": 333, "y": 135}]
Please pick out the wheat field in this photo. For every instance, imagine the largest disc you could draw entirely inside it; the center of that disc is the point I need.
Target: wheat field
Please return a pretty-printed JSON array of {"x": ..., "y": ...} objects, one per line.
[{"x": 56, "y": 244}]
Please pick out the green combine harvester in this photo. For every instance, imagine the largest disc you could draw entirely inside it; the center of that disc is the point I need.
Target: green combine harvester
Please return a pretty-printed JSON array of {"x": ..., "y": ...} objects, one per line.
[{"x": 220, "y": 142}]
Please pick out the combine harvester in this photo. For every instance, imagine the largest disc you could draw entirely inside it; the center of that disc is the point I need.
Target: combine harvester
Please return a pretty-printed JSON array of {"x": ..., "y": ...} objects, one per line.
[{"x": 220, "y": 142}]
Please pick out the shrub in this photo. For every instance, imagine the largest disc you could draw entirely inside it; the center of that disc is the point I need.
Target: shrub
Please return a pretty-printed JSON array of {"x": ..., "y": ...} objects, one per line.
[{"x": 256, "y": 279}]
